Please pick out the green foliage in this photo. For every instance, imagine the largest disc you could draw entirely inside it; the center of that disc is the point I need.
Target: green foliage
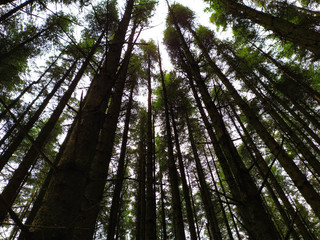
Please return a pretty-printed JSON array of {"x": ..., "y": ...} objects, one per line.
[
  {"x": 183, "y": 15},
  {"x": 103, "y": 15},
  {"x": 238, "y": 59},
  {"x": 206, "y": 36},
  {"x": 150, "y": 50},
  {"x": 171, "y": 40},
  {"x": 143, "y": 11}
]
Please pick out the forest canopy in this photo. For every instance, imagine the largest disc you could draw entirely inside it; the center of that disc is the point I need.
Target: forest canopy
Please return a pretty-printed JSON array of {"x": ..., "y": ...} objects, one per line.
[{"x": 100, "y": 139}]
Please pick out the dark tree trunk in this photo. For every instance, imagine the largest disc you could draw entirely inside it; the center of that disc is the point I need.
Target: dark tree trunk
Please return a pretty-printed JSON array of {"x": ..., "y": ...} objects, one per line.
[
  {"x": 218, "y": 196},
  {"x": 173, "y": 174},
  {"x": 116, "y": 199},
  {"x": 62, "y": 204},
  {"x": 256, "y": 219},
  {"x": 210, "y": 211},
  {"x": 37, "y": 203},
  {"x": 186, "y": 191},
  {"x": 11, "y": 190},
  {"x": 141, "y": 176},
  {"x": 14, "y": 10},
  {"x": 299, "y": 179},
  {"x": 100, "y": 164},
  {"x": 295, "y": 33},
  {"x": 151, "y": 201},
  {"x": 225, "y": 195},
  {"x": 263, "y": 169},
  {"x": 163, "y": 211}
]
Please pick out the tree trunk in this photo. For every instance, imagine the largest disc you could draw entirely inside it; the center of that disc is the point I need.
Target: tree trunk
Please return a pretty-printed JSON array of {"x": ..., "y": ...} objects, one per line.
[
  {"x": 11, "y": 190},
  {"x": 299, "y": 179},
  {"x": 115, "y": 205},
  {"x": 218, "y": 196},
  {"x": 263, "y": 169},
  {"x": 37, "y": 203},
  {"x": 62, "y": 204},
  {"x": 100, "y": 164},
  {"x": 186, "y": 191},
  {"x": 141, "y": 176},
  {"x": 273, "y": 111},
  {"x": 163, "y": 211},
  {"x": 204, "y": 190},
  {"x": 225, "y": 195},
  {"x": 256, "y": 219},
  {"x": 298, "y": 34},
  {"x": 151, "y": 201},
  {"x": 173, "y": 174},
  {"x": 14, "y": 10}
]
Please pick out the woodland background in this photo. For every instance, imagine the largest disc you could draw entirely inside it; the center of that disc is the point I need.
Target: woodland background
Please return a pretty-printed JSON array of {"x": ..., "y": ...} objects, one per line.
[{"x": 224, "y": 144}]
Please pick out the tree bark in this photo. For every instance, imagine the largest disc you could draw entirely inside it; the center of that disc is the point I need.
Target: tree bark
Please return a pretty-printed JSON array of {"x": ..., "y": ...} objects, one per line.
[
  {"x": 141, "y": 176},
  {"x": 116, "y": 199},
  {"x": 299, "y": 179},
  {"x": 100, "y": 164},
  {"x": 257, "y": 220},
  {"x": 62, "y": 204},
  {"x": 306, "y": 38},
  {"x": 205, "y": 193},
  {"x": 151, "y": 201},
  {"x": 186, "y": 191},
  {"x": 173, "y": 174}
]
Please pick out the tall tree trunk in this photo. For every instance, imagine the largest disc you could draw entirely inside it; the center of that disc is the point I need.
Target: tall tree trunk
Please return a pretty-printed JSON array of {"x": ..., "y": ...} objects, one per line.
[
  {"x": 205, "y": 193},
  {"x": 186, "y": 191},
  {"x": 14, "y": 10},
  {"x": 251, "y": 79},
  {"x": 273, "y": 111},
  {"x": 299, "y": 179},
  {"x": 115, "y": 205},
  {"x": 256, "y": 219},
  {"x": 141, "y": 176},
  {"x": 100, "y": 164},
  {"x": 281, "y": 210},
  {"x": 218, "y": 196},
  {"x": 306, "y": 38},
  {"x": 173, "y": 174},
  {"x": 224, "y": 194},
  {"x": 263, "y": 169},
  {"x": 218, "y": 151},
  {"x": 163, "y": 211},
  {"x": 62, "y": 204},
  {"x": 151, "y": 201},
  {"x": 37, "y": 203},
  {"x": 193, "y": 206},
  {"x": 11, "y": 190}
]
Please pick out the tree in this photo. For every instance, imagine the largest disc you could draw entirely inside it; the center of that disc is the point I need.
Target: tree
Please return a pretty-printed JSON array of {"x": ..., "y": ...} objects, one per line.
[{"x": 225, "y": 145}]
